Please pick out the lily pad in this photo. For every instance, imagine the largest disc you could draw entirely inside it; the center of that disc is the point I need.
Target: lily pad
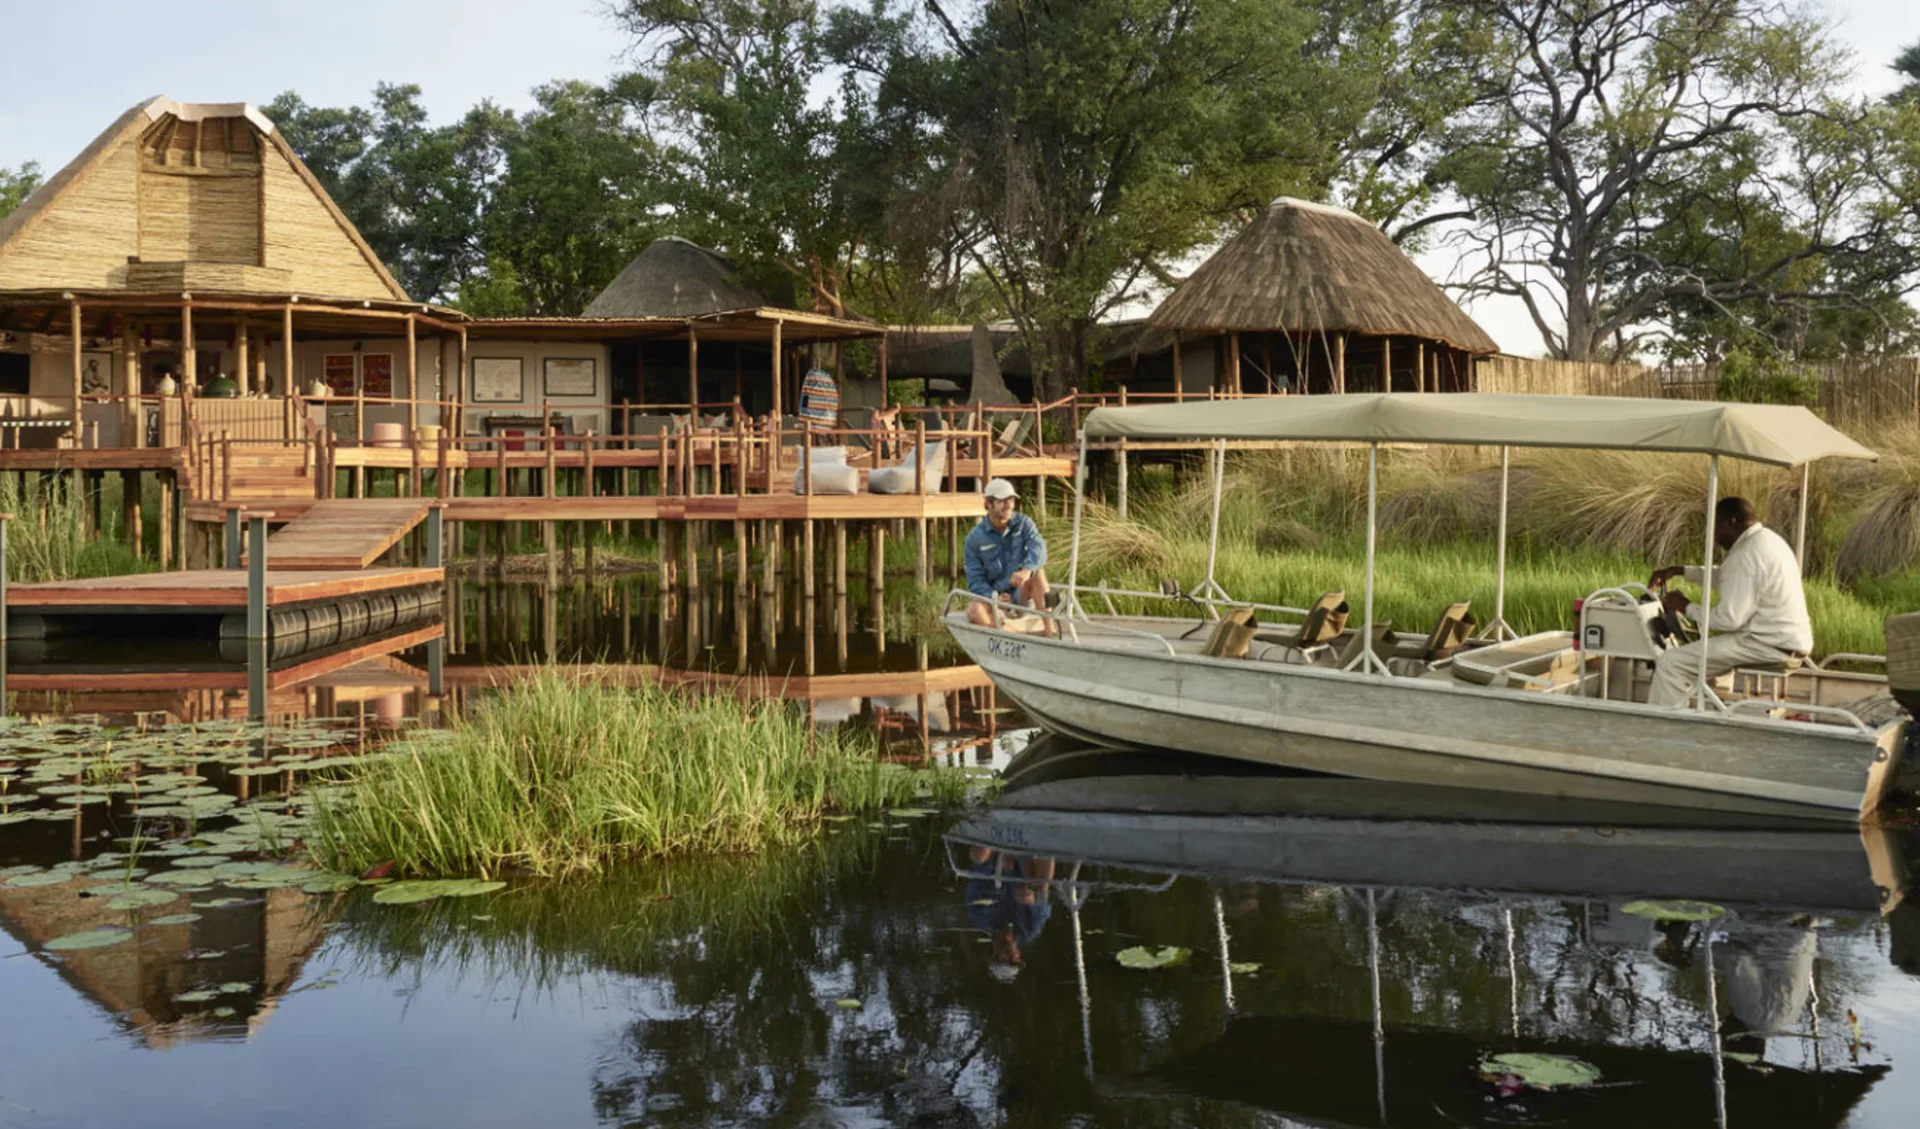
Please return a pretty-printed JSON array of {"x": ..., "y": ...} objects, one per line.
[
  {"x": 175, "y": 919},
  {"x": 221, "y": 903},
  {"x": 1542, "y": 1072},
  {"x": 909, "y": 813},
  {"x": 850, "y": 1005},
  {"x": 1674, "y": 910},
  {"x": 407, "y": 893},
  {"x": 91, "y": 939},
  {"x": 232, "y": 986},
  {"x": 1243, "y": 967},
  {"x": 329, "y": 884},
  {"x": 223, "y": 1013},
  {"x": 197, "y": 996},
  {"x": 139, "y": 897},
  {"x": 47, "y": 878},
  {"x": 1141, "y": 956}
]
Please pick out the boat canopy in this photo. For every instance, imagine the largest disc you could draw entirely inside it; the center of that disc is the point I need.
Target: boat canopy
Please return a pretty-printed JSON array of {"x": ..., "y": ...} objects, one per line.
[{"x": 1763, "y": 433}]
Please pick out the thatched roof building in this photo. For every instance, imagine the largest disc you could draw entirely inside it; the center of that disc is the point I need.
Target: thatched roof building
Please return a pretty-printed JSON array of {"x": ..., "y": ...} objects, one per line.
[
  {"x": 1330, "y": 302},
  {"x": 674, "y": 278}
]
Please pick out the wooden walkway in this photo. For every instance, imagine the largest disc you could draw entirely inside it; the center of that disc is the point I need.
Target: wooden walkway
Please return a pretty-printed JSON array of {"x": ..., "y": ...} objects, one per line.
[
  {"x": 206, "y": 591},
  {"x": 344, "y": 532}
]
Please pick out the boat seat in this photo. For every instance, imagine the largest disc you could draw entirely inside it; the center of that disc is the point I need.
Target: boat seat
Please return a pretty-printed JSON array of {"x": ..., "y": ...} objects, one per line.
[
  {"x": 1448, "y": 635},
  {"x": 1382, "y": 631},
  {"x": 1233, "y": 636},
  {"x": 1322, "y": 625}
]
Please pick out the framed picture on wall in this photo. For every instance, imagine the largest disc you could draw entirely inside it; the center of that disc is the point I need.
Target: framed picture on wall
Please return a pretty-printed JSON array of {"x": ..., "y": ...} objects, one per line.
[
  {"x": 96, "y": 373},
  {"x": 570, "y": 376},
  {"x": 499, "y": 380},
  {"x": 376, "y": 374},
  {"x": 340, "y": 372}
]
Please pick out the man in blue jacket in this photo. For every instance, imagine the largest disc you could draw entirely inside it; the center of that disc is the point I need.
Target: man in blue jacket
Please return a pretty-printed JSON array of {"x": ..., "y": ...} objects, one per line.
[{"x": 1005, "y": 557}]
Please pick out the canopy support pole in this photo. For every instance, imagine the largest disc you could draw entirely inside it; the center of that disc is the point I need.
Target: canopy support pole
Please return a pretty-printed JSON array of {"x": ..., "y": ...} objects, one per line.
[
  {"x": 1379, "y": 1025},
  {"x": 1071, "y": 605},
  {"x": 1499, "y": 630},
  {"x": 1074, "y": 898},
  {"x": 1366, "y": 660},
  {"x": 1210, "y": 588},
  {"x": 1226, "y": 960},
  {"x": 1800, "y": 521},
  {"x": 1704, "y": 693}
]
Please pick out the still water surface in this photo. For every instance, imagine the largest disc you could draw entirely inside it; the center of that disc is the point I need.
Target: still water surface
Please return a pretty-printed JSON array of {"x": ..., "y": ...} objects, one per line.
[{"x": 934, "y": 971}]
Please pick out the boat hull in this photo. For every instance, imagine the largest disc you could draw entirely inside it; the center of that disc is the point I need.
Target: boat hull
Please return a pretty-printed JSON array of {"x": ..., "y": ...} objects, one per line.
[{"x": 1427, "y": 731}]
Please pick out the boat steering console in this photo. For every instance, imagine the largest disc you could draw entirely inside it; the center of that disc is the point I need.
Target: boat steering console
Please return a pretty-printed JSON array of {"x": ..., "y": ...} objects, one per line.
[{"x": 1628, "y": 621}]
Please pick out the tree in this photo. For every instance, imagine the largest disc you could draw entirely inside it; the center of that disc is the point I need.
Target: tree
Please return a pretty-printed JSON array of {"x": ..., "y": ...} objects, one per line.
[
  {"x": 416, "y": 193},
  {"x": 572, "y": 207},
  {"x": 16, "y": 185},
  {"x": 1095, "y": 142},
  {"x": 1907, "y": 64},
  {"x": 1625, "y": 156}
]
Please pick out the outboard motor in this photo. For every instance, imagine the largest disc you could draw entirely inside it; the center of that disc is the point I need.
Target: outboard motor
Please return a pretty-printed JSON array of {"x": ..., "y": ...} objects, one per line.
[{"x": 1903, "y": 660}]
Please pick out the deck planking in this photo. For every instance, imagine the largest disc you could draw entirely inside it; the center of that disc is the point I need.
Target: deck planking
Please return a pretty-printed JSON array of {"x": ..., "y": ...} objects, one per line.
[
  {"x": 347, "y": 533},
  {"x": 208, "y": 591}
]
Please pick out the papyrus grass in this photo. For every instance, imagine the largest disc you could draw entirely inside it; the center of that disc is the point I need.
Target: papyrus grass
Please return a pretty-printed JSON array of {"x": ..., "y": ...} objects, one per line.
[{"x": 559, "y": 775}]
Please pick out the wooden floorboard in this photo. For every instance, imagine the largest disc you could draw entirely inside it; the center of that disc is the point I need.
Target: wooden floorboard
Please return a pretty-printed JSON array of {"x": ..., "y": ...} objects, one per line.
[
  {"x": 210, "y": 590},
  {"x": 344, "y": 532}
]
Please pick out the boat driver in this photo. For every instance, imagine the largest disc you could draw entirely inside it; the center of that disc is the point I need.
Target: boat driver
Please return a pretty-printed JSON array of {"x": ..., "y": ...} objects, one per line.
[
  {"x": 1760, "y": 619},
  {"x": 1006, "y": 556}
]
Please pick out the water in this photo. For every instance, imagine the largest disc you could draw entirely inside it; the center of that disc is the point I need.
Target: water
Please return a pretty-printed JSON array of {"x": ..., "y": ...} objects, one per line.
[{"x": 1336, "y": 971}]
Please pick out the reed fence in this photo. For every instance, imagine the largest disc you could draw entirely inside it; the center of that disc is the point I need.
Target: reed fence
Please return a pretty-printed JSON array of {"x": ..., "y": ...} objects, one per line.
[{"x": 1846, "y": 391}]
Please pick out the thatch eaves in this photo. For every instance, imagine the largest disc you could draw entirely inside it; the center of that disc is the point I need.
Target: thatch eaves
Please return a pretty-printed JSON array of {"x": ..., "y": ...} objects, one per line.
[
  {"x": 674, "y": 277},
  {"x": 1306, "y": 267}
]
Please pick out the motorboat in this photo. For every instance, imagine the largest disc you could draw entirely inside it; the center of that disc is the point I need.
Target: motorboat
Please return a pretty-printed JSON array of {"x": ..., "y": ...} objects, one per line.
[{"x": 1557, "y": 713}]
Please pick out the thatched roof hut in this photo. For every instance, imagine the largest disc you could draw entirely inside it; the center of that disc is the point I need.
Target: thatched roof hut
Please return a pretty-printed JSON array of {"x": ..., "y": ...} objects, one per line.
[
  {"x": 676, "y": 278},
  {"x": 1311, "y": 281}
]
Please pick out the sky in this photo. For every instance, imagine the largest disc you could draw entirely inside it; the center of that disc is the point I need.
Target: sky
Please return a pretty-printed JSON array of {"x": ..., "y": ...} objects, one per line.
[{"x": 67, "y": 70}]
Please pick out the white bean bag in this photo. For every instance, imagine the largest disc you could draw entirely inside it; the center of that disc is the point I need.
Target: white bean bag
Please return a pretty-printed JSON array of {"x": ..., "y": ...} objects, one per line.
[
  {"x": 831, "y": 474},
  {"x": 899, "y": 479}
]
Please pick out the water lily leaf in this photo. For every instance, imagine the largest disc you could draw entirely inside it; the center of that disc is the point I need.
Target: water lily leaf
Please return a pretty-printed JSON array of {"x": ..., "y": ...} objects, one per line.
[
  {"x": 1243, "y": 967},
  {"x": 191, "y": 861},
  {"x": 1542, "y": 1072},
  {"x": 232, "y": 986},
  {"x": 137, "y": 897},
  {"x": 1674, "y": 910},
  {"x": 909, "y": 813},
  {"x": 223, "y": 1013},
  {"x": 7, "y": 817},
  {"x": 329, "y": 884},
  {"x": 468, "y": 887},
  {"x": 257, "y": 770},
  {"x": 1140, "y": 956},
  {"x": 850, "y": 1005},
  {"x": 49, "y": 878},
  {"x": 197, "y": 996},
  {"x": 1744, "y": 1058},
  {"x": 221, "y": 903},
  {"x": 91, "y": 939},
  {"x": 175, "y": 919},
  {"x": 407, "y": 893}
]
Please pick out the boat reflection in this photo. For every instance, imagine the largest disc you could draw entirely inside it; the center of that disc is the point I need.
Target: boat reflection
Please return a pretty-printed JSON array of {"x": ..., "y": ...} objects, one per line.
[{"x": 1339, "y": 938}]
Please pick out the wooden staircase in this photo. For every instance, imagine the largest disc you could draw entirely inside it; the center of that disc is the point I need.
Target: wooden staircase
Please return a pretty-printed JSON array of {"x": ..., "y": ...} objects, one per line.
[{"x": 260, "y": 472}]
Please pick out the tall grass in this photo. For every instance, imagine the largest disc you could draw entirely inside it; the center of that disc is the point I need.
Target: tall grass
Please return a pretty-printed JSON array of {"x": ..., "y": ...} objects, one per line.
[
  {"x": 558, "y": 776},
  {"x": 48, "y": 538}
]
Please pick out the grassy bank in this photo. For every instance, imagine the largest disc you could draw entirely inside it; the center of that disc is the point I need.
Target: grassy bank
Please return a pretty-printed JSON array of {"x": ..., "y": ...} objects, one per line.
[
  {"x": 558, "y": 776},
  {"x": 47, "y": 540},
  {"x": 1293, "y": 526}
]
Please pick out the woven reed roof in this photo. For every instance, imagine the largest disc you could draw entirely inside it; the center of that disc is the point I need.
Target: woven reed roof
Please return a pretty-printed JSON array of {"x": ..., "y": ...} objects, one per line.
[
  {"x": 1310, "y": 267},
  {"x": 676, "y": 278},
  {"x": 171, "y": 187}
]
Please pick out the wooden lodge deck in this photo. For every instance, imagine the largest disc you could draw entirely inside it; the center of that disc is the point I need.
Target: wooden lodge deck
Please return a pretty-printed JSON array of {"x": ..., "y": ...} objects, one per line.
[{"x": 343, "y": 533}]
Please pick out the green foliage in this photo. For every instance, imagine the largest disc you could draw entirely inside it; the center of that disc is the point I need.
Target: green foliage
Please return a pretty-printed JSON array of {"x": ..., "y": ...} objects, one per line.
[
  {"x": 48, "y": 540},
  {"x": 16, "y": 185},
  {"x": 1763, "y": 378},
  {"x": 558, "y": 775}
]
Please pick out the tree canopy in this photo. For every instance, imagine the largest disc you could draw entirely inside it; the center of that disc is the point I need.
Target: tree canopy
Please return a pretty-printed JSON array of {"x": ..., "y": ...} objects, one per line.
[{"x": 16, "y": 185}]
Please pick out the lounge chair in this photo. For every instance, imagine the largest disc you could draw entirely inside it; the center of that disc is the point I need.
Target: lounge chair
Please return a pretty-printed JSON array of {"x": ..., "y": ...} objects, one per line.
[{"x": 900, "y": 479}]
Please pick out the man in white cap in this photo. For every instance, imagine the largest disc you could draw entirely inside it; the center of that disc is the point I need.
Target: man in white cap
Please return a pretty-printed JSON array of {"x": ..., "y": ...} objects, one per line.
[{"x": 1006, "y": 556}]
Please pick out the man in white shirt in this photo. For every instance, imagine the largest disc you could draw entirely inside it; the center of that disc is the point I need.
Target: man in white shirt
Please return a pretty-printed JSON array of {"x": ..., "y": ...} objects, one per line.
[{"x": 1759, "y": 619}]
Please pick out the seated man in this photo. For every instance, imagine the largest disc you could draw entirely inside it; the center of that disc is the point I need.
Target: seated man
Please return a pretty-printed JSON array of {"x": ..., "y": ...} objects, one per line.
[
  {"x": 1760, "y": 617},
  {"x": 1005, "y": 555}
]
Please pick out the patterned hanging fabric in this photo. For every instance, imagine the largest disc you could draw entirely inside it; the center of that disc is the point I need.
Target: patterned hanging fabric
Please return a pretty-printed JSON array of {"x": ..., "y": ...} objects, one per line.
[{"x": 819, "y": 399}]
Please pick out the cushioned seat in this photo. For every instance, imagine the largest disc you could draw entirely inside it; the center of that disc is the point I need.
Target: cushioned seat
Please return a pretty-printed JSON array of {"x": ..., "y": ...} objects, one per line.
[
  {"x": 831, "y": 474},
  {"x": 900, "y": 479}
]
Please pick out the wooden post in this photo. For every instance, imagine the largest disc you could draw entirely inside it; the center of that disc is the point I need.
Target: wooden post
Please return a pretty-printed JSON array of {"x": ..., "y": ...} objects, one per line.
[
  {"x": 413, "y": 387},
  {"x": 74, "y": 313},
  {"x": 1386, "y": 364},
  {"x": 693, "y": 375},
  {"x": 460, "y": 387},
  {"x": 1233, "y": 360},
  {"x": 806, "y": 560},
  {"x": 1420, "y": 366},
  {"x": 777, "y": 326},
  {"x": 189, "y": 352},
  {"x": 740, "y": 554},
  {"x": 1120, "y": 466},
  {"x": 287, "y": 377},
  {"x": 243, "y": 355},
  {"x": 135, "y": 417},
  {"x": 1340, "y": 365},
  {"x": 883, "y": 369},
  {"x": 169, "y": 487},
  {"x": 130, "y": 512},
  {"x": 769, "y": 555},
  {"x": 1179, "y": 383},
  {"x": 840, "y": 558},
  {"x": 546, "y": 430},
  {"x": 877, "y": 556}
]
